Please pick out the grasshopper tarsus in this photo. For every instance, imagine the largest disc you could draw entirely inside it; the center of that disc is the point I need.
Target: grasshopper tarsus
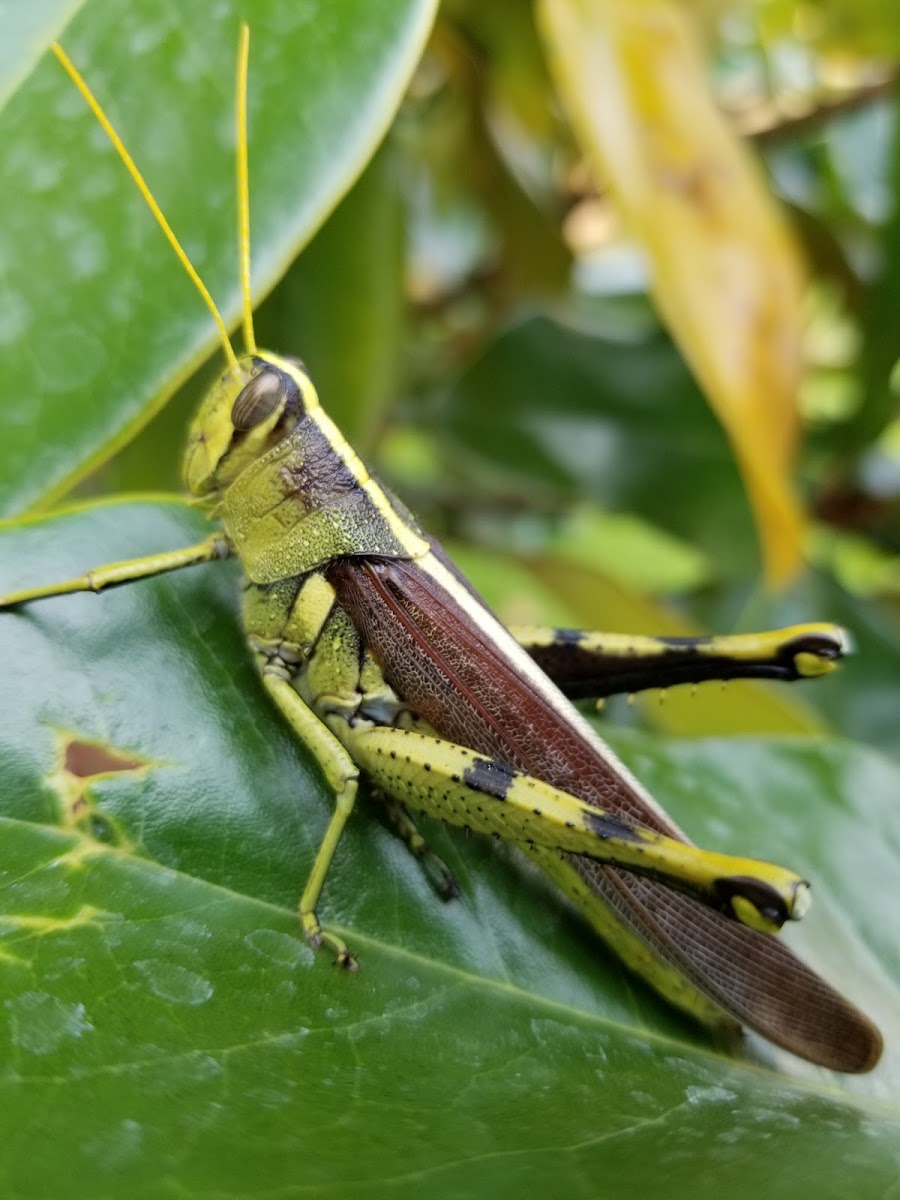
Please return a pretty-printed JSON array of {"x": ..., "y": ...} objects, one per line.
[
  {"x": 449, "y": 888},
  {"x": 317, "y": 937},
  {"x": 401, "y": 822},
  {"x": 442, "y": 877}
]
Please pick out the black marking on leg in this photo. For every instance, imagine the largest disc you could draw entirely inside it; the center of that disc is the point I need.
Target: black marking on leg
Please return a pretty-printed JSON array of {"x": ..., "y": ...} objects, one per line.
[
  {"x": 608, "y": 827},
  {"x": 764, "y": 898},
  {"x": 449, "y": 889},
  {"x": 568, "y": 637},
  {"x": 490, "y": 777},
  {"x": 822, "y": 645}
]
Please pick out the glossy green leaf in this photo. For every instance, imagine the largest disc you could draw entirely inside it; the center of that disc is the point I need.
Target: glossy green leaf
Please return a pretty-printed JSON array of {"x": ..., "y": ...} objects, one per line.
[
  {"x": 165, "y": 1032},
  {"x": 27, "y": 28},
  {"x": 99, "y": 323}
]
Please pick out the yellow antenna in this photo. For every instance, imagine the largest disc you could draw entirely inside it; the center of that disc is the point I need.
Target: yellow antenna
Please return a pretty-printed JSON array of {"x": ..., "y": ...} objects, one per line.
[
  {"x": 243, "y": 186},
  {"x": 94, "y": 105}
]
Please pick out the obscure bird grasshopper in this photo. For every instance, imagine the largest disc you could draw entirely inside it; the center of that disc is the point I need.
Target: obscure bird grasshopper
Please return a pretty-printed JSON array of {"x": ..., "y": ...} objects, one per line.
[{"x": 387, "y": 665}]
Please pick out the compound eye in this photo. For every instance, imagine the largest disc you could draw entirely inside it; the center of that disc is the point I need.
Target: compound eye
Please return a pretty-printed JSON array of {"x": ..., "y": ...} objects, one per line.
[{"x": 258, "y": 400}]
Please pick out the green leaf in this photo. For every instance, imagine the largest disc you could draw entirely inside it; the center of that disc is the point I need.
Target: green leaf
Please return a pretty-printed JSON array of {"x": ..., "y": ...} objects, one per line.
[
  {"x": 99, "y": 323},
  {"x": 165, "y": 1031},
  {"x": 27, "y": 29}
]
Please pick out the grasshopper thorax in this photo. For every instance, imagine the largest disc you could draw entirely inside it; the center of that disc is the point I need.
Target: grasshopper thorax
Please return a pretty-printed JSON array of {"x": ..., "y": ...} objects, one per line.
[{"x": 290, "y": 491}]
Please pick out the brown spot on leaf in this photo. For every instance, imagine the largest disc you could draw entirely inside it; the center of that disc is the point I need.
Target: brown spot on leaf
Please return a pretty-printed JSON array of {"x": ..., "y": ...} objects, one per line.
[
  {"x": 81, "y": 764},
  {"x": 84, "y": 759}
]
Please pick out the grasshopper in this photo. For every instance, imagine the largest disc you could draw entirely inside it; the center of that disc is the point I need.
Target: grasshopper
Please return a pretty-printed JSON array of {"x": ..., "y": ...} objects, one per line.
[{"x": 388, "y": 666}]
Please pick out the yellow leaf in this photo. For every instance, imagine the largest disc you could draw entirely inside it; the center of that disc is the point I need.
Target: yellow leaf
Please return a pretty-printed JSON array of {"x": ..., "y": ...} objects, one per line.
[{"x": 726, "y": 274}]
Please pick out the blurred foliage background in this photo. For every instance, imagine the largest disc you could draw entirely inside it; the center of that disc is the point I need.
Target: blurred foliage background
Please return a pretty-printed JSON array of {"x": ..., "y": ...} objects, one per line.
[{"x": 616, "y": 308}]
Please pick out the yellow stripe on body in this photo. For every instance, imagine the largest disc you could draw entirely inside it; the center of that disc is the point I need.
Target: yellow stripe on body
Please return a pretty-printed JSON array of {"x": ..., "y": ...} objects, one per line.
[{"x": 409, "y": 538}]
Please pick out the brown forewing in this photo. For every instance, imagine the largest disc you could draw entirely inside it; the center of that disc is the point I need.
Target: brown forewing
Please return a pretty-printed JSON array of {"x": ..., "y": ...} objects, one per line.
[{"x": 438, "y": 659}]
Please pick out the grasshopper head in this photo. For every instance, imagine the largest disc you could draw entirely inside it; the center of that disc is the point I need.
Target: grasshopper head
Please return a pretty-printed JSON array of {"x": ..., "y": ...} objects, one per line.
[{"x": 248, "y": 410}]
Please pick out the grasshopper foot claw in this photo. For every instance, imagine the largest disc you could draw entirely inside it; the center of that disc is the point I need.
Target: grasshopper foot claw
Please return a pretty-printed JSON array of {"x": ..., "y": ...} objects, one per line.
[
  {"x": 448, "y": 888},
  {"x": 316, "y": 936}
]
